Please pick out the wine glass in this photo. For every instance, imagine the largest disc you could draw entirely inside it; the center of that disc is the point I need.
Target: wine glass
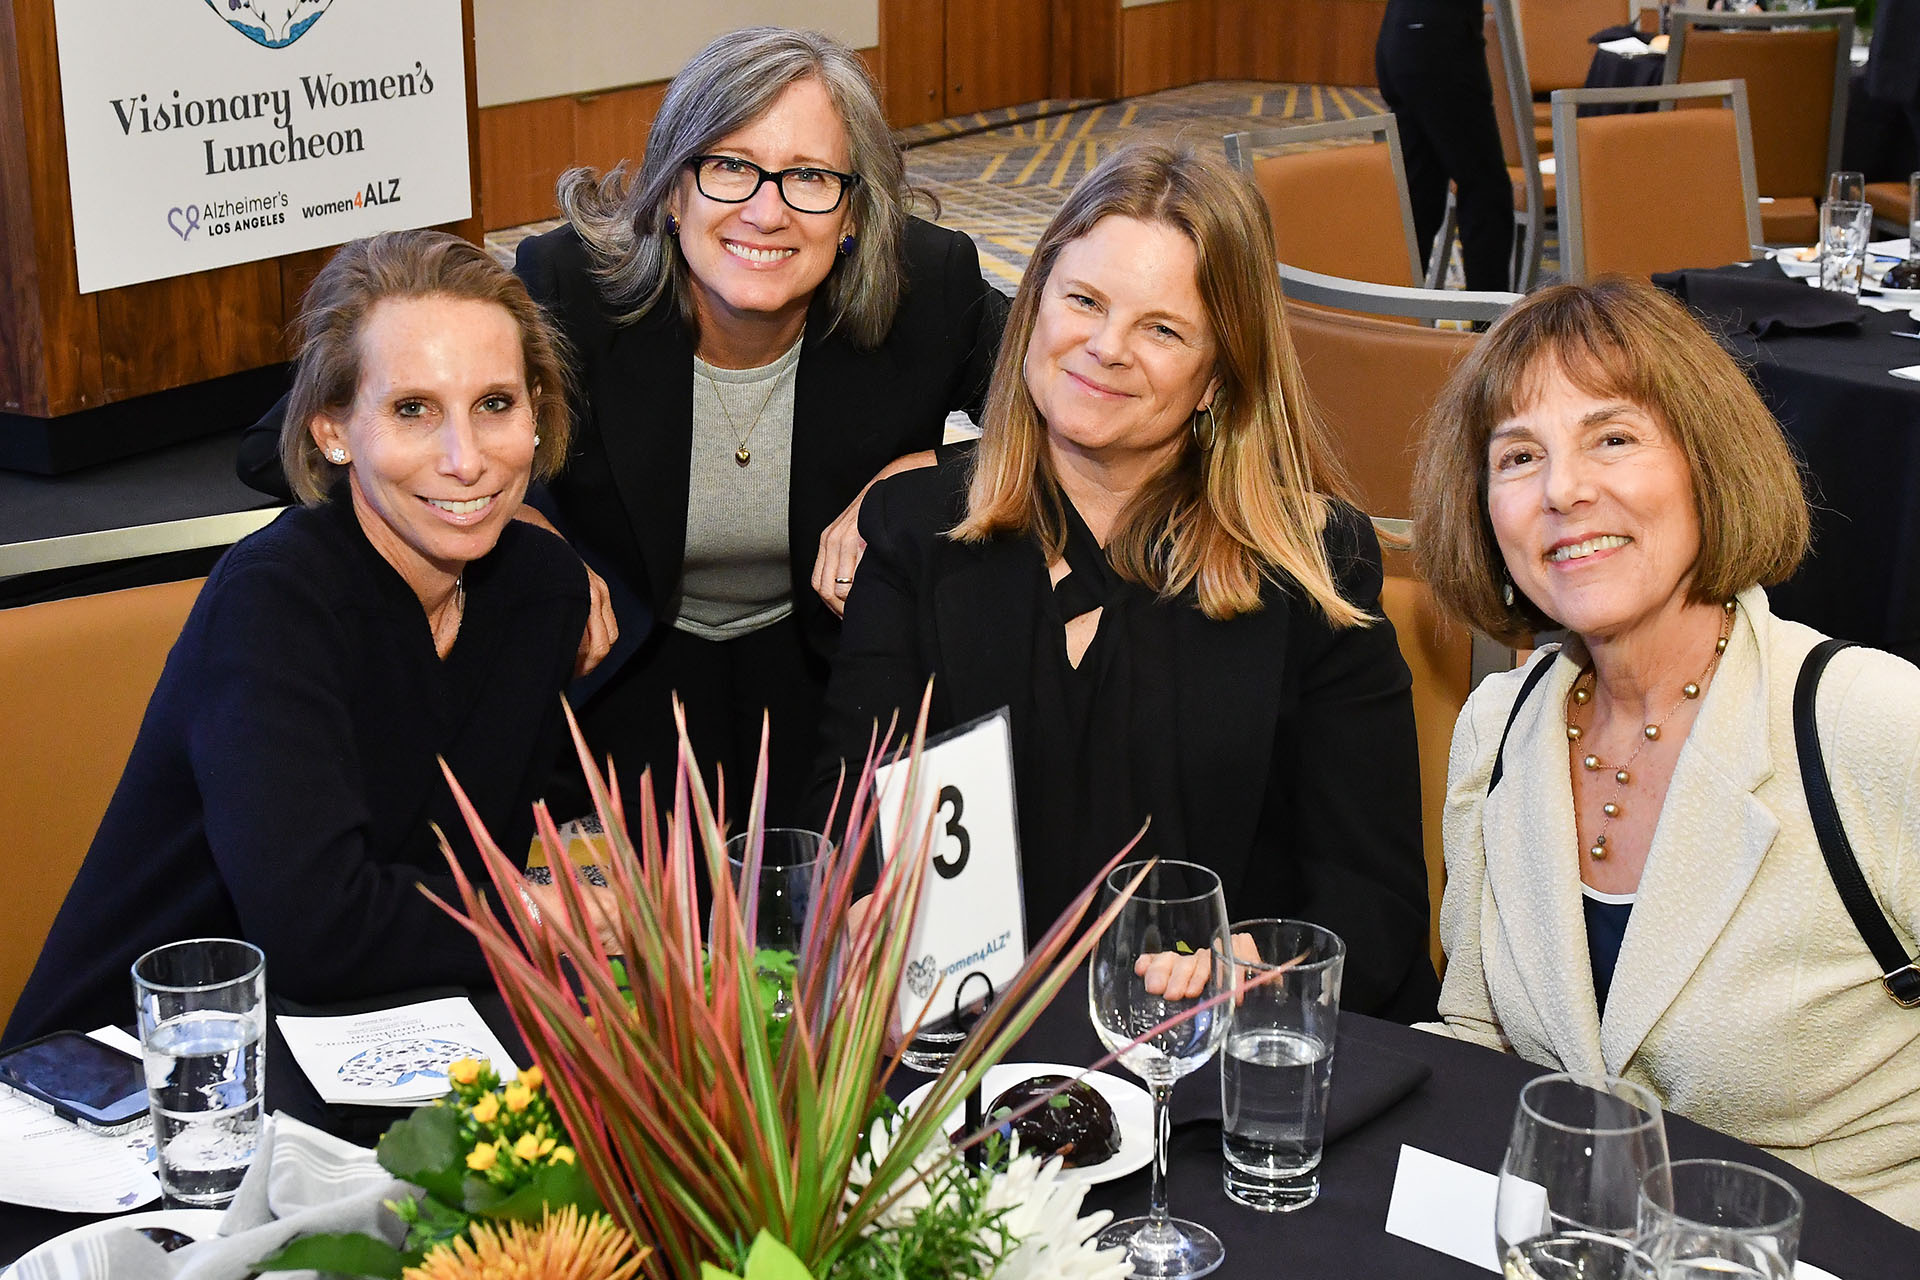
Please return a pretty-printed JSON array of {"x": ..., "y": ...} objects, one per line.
[
  {"x": 1847, "y": 185},
  {"x": 1177, "y": 915},
  {"x": 1570, "y": 1184},
  {"x": 776, "y": 893},
  {"x": 1717, "y": 1220}
]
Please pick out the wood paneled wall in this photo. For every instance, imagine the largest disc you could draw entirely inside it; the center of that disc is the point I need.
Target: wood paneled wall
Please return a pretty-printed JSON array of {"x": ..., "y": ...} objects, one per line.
[
  {"x": 1302, "y": 41},
  {"x": 526, "y": 146},
  {"x": 64, "y": 352},
  {"x": 1168, "y": 44}
]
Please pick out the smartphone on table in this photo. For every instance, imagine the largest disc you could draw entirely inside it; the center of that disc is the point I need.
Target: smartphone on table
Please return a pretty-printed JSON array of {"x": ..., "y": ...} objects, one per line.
[{"x": 79, "y": 1079}]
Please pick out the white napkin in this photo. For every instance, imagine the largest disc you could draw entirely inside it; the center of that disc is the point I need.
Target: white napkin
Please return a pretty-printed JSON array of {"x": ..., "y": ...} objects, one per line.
[
  {"x": 302, "y": 1182},
  {"x": 1627, "y": 46},
  {"x": 1910, "y": 372}
]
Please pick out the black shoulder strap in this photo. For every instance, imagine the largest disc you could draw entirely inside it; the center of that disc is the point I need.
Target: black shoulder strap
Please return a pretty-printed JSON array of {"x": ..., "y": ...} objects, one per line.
[
  {"x": 1901, "y": 975},
  {"x": 1500, "y": 755}
]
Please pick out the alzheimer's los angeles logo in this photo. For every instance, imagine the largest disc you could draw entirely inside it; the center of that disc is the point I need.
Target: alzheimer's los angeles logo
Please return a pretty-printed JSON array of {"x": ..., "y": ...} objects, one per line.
[{"x": 273, "y": 23}]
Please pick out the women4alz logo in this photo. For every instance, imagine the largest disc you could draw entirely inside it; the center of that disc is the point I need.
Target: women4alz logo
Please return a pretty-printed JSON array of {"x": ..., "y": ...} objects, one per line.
[{"x": 273, "y": 23}]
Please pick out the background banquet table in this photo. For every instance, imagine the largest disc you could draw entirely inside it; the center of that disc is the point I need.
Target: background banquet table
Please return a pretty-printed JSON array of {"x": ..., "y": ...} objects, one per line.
[{"x": 1461, "y": 1107}]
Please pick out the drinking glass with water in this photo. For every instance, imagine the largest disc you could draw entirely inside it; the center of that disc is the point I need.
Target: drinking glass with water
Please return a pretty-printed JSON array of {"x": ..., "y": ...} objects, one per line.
[
  {"x": 1277, "y": 1068},
  {"x": 1718, "y": 1220},
  {"x": 202, "y": 1014}
]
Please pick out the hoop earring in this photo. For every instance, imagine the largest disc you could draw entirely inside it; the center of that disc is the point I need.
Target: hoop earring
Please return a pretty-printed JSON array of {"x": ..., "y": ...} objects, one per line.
[
  {"x": 673, "y": 224},
  {"x": 1213, "y": 429},
  {"x": 846, "y": 245}
]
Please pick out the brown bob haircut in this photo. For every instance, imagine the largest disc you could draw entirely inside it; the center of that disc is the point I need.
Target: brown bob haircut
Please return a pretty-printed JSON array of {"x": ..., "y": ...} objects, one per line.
[
  {"x": 407, "y": 264},
  {"x": 1618, "y": 338},
  {"x": 1218, "y": 520}
]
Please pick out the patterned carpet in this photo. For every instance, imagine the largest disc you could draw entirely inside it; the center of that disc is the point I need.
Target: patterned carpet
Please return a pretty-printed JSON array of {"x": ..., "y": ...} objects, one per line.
[{"x": 1000, "y": 175}]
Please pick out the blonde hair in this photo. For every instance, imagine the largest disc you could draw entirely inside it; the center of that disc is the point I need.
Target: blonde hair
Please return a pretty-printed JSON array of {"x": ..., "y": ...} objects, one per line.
[
  {"x": 1219, "y": 520},
  {"x": 622, "y": 215},
  {"x": 407, "y": 264},
  {"x": 1621, "y": 338}
]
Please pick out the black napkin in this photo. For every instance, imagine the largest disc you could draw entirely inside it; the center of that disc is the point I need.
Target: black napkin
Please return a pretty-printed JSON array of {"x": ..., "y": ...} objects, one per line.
[
  {"x": 1368, "y": 1080},
  {"x": 1762, "y": 300},
  {"x": 1620, "y": 32}
]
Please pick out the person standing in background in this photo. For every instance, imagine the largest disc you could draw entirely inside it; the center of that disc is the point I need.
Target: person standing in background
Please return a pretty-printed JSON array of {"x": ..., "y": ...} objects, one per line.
[
  {"x": 1431, "y": 61},
  {"x": 1893, "y": 63}
]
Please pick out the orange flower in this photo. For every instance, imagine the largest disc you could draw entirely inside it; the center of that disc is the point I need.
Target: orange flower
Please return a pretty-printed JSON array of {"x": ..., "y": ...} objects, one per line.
[{"x": 565, "y": 1246}]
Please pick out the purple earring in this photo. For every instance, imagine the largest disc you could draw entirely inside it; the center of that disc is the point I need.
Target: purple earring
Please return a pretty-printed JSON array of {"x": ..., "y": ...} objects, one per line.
[
  {"x": 673, "y": 224},
  {"x": 846, "y": 245}
]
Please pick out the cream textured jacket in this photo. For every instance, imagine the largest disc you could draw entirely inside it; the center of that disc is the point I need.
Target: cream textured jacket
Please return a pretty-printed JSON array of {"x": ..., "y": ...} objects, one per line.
[{"x": 1744, "y": 995}]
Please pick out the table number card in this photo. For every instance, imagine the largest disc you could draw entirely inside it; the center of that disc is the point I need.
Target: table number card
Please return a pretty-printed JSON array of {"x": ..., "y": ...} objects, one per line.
[{"x": 971, "y": 918}]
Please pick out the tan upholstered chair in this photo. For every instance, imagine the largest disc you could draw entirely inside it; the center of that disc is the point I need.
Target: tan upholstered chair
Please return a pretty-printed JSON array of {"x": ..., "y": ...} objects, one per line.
[
  {"x": 1338, "y": 210},
  {"x": 1439, "y": 652},
  {"x": 1657, "y": 190},
  {"x": 75, "y": 676},
  {"x": 1795, "y": 66},
  {"x": 1892, "y": 206},
  {"x": 1372, "y": 379},
  {"x": 1554, "y": 34}
]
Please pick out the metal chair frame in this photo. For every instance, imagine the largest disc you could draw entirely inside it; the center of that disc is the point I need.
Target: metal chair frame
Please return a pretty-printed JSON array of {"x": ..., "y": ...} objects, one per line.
[
  {"x": 1525, "y": 272},
  {"x": 1241, "y": 146},
  {"x": 1685, "y": 20},
  {"x": 1566, "y": 146},
  {"x": 1301, "y": 285}
]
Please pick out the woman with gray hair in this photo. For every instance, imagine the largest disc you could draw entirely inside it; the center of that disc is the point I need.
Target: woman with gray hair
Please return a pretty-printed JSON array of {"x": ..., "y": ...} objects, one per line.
[{"x": 762, "y": 331}]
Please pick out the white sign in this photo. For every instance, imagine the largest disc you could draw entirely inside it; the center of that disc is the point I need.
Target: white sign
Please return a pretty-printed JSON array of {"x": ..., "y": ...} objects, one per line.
[
  {"x": 202, "y": 133},
  {"x": 971, "y": 918}
]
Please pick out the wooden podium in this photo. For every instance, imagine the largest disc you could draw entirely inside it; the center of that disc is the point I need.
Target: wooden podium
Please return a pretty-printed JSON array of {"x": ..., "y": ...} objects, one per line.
[{"x": 86, "y": 378}]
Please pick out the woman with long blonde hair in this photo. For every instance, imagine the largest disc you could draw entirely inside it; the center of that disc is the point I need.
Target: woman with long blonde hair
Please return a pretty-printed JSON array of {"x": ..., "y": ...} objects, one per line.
[{"x": 1149, "y": 561}]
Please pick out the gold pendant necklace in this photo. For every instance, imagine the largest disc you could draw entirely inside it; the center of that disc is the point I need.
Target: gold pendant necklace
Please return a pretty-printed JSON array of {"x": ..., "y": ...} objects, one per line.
[
  {"x": 1582, "y": 693},
  {"x": 742, "y": 455}
]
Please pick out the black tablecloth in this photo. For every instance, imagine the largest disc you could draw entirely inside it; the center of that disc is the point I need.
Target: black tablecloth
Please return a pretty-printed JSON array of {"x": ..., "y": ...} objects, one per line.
[
  {"x": 1462, "y": 1110},
  {"x": 1857, "y": 428}
]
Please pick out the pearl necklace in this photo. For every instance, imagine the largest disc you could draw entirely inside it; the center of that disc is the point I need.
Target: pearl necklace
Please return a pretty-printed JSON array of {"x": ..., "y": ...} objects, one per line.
[{"x": 1582, "y": 693}]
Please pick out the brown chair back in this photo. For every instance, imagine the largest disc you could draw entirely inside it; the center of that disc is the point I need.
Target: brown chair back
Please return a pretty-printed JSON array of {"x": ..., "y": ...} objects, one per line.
[
  {"x": 1373, "y": 414},
  {"x": 1790, "y": 97},
  {"x": 1439, "y": 652},
  {"x": 1654, "y": 191},
  {"x": 75, "y": 677},
  {"x": 1555, "y": 33},
  {"x": 1337, "y": 200}
]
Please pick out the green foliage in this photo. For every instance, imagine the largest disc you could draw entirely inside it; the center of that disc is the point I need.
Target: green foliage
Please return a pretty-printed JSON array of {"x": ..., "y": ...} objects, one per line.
[
  {"x": 768, "y": 1259},
  {"x": 955, "y": 1237},
  {"x": 344, "y": 1254}
]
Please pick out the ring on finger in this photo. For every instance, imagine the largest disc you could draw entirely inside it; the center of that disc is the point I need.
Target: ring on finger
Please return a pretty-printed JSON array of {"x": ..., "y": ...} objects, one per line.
[{"x": 843, "y": 582}]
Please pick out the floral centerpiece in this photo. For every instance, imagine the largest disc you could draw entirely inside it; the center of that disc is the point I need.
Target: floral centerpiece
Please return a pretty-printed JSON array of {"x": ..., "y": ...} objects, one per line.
[{"x": 718, "y": 1136}]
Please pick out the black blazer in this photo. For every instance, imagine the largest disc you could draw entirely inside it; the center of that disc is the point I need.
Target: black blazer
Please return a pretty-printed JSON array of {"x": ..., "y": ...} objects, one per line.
[
  {"x": 623, "y": 495},
  {"x": 1298, "y": 765},
  {"x": 622, "y": 499},
  {"x": 1893, "y": 68}
]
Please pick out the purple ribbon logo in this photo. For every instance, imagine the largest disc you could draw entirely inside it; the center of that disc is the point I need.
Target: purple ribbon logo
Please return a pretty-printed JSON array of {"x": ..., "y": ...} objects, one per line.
[{"x": 184, "y": 221}]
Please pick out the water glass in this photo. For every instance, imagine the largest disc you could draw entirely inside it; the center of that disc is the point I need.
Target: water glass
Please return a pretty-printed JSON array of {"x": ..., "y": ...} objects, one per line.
[
  {"x": 1844, "y": 228},
  {"x": 1570, "y": 1185},
  {"x": 203, "y": 1020},
  {"x": 1717, "y": 1220},
  {"x": 776, "y": 891},
  {"x": 1849, "y": 186},
  {"x": 1277, "y": 1067},
  {"x": 1174, "y": 922}
]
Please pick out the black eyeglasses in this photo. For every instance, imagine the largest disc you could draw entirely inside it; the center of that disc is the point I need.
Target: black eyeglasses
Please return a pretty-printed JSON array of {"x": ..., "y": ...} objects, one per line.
[{"x": 806, "y": 188}]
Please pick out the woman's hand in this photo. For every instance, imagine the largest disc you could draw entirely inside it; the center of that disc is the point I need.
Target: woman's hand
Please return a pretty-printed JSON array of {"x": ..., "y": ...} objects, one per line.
[
  {"x": 841, "y": 545},
  {"x": 597, "y": 640},
  {"x": 1176, "y": 976}
]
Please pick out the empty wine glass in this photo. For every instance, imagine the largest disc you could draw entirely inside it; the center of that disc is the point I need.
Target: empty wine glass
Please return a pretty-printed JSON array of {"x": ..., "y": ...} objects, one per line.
[
  {"x": 776, "y": 898},
  {"x": 1718, "y": 1220},
  {"x": 1175, "y": 919},
  {"x": 1570, "y": 1184}
]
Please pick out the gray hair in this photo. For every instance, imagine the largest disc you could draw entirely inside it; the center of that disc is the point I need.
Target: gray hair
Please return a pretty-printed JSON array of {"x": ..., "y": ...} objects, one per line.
[{"x": 729, "y": 84}]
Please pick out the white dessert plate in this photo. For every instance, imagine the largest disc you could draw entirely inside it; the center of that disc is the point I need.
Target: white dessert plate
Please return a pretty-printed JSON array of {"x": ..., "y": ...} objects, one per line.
[
  {"x": 1132, "y": 1112},
  {"x": 201, "y": 1224},
  {"x": 1791, "y": 263}
]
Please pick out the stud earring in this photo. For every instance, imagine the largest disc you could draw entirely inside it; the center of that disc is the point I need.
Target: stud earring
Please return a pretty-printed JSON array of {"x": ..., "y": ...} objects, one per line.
[
  {"x": 536, "y": 442},
  {"x": 673, "y": 224},
  {"x": 337, "y": 456},
  {"x": 846, "y": 245}
]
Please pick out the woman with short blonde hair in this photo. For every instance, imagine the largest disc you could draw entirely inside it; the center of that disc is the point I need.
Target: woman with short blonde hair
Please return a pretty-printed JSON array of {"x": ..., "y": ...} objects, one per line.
[{"x": 1147, "y": 562}]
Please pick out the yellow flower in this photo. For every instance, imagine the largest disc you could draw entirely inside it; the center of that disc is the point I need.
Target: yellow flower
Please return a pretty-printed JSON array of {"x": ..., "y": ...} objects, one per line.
[
  {"x": 463, "y": 1071},
  {"x": 518, "y": 1096},
  {"x": 532, "y": 1078},
  {"x": 483, "y": 1157},
  {"x": 546, "y": 1145},
  {"x": 487, "y": 1108},
  {"x": 527, "y": 1147},
  {"x": 565, "y": 1246},
  {"x": 561, "y": 1155}
]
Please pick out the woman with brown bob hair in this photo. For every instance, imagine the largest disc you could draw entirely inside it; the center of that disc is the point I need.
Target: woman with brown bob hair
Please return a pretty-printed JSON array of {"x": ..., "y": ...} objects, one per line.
[
  {"x": 286, "y": 783},
  {"x": 1634, "y": 883},
  {"x": 1148, "y": 560}
]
